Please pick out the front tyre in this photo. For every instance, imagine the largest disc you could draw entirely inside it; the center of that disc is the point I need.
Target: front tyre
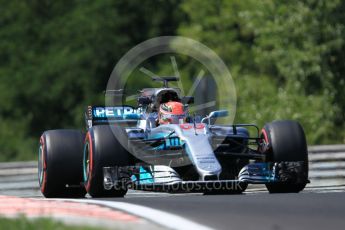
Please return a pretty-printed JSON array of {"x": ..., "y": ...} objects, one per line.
[
  {"x": 102, "y": 149},
  {"x": 285, "y": 141}
]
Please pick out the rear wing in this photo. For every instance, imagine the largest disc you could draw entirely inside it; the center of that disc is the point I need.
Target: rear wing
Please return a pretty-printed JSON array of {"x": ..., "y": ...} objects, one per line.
[{"x": 98, "y": 115}]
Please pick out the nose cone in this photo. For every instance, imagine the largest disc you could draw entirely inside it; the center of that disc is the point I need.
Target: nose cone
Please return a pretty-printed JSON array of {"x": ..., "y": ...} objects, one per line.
[{"x": 201, "y": 152}]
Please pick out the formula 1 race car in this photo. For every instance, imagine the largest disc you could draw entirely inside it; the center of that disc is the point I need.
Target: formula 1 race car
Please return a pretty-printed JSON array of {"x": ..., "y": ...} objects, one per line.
[{"x": 159, "y": 146}]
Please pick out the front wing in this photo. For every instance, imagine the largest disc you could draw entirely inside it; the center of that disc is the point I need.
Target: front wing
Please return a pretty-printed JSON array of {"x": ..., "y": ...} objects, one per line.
[{"x": 165, "y": 179}]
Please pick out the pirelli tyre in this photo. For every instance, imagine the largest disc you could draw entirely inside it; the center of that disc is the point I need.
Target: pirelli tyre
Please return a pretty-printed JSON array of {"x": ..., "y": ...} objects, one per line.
[
  {"x": 60, "y": 164},
  {"x": 285, "y": 144},
  {"x": 102, "y": 149}
]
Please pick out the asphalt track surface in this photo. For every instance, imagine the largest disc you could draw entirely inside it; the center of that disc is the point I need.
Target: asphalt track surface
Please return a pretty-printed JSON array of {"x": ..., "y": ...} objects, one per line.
[
  {"x": 315, "y": 208},
  {"x": 311, "y": 209}
]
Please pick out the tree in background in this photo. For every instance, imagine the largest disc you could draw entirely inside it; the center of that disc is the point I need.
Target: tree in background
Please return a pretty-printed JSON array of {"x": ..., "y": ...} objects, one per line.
[
  {"x": 56, "y": 57},
  {"x": 287, "y": 59}
]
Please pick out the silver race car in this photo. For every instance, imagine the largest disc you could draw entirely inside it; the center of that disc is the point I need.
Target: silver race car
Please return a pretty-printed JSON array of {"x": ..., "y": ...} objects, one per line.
[{"x": 160, "y": 146}]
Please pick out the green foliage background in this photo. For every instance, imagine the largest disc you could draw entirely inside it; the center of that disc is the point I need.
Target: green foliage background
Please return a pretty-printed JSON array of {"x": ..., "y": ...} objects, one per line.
[{"x": 287, "y": 59}]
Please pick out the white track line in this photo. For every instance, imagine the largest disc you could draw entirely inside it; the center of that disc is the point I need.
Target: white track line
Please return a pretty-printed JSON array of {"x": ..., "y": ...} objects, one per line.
[{"x": 162, "y": 218}]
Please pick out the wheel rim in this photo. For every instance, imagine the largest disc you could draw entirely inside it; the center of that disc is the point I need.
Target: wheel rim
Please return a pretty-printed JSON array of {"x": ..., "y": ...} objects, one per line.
[
  {"x": 264, "y": 142},
  {"x": 86, "y": 162},
  {"x": 40, "y": 165}
]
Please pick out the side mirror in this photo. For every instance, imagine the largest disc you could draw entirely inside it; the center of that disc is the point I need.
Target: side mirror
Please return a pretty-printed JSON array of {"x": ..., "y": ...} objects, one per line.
[
  {"x": 218, "y": 113},
  {"x": 131, "y": 116},
  {"x": 187, "y": 100},
  {"x": 215, "y": 114}
]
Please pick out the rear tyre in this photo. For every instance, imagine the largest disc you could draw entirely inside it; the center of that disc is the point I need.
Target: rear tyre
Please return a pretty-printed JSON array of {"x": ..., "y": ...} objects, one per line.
[
  {"x": 285, "y": 141},
  {"x": 60, "y": 164},
  {"x": 102, "y": 149}
]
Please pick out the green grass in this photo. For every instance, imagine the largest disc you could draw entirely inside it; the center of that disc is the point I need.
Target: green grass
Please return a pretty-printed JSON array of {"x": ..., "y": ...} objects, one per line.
[{"x": 23, "y": 223}]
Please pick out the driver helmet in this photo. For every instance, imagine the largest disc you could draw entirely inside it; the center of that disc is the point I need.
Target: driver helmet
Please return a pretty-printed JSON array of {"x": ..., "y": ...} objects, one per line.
[{"x": 172, "y": 112}]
